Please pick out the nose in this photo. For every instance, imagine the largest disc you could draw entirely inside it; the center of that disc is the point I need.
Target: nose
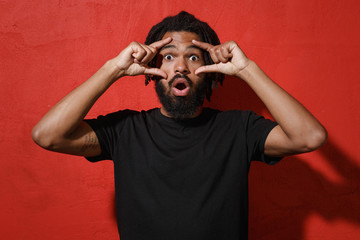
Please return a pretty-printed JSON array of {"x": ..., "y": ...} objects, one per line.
[{"x": 181, "y": 66}]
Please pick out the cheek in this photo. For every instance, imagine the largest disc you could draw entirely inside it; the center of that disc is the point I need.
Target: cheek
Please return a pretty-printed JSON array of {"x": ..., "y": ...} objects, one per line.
[
  {"x": 165, "y": 66},
  {"x": 195, "y": 65},
  {"x": 201, "y": 77},
  {"x": 197, "y": 79},
  {"x": 164, "y": 84}
]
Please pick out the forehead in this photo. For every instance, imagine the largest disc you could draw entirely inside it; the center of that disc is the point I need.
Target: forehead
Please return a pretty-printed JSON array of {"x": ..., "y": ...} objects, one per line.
[{"x": 182, "y": 37}]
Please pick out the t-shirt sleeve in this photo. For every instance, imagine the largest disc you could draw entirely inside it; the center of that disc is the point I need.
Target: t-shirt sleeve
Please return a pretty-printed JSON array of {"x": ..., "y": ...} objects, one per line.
[
  {"x": 107, "y": 129},
  {"x": 257, "y": 130}
]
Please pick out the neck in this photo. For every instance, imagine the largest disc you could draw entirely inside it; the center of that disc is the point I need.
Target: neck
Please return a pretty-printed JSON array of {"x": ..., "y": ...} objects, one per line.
[{"x": 165, "y": 113}]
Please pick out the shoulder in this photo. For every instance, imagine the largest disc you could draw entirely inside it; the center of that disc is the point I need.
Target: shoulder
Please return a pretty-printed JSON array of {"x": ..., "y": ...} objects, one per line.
[
  {"x": 243, "y": 119},
  {"x": 112, "y": 119},
  {"x": 128, "y": 116},
  {"x": 125, "y": 114}
]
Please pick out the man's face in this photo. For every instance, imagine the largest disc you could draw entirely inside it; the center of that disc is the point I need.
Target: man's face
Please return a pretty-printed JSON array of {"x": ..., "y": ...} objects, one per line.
[{"x": 183, "y": 92}]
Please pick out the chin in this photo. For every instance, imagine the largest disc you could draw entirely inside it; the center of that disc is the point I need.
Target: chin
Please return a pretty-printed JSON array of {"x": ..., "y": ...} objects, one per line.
[{"x": 181, "y": 107}]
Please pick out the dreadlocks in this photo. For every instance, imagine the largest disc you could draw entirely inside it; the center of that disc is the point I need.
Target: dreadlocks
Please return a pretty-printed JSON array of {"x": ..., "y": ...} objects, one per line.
[{"x": 185, "y": 21}]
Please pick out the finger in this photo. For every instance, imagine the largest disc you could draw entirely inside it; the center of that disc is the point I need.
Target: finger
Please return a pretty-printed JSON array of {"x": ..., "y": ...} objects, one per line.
[
  {"x": 225, "y": 52},
  {"x": 138, "y": 52},
  {"x": 207, "y": 69},
  {"x": 209, "y": 48},
  {"x": 213, "y": 55},
  {"x": 148, "y": 56},
  {"x": 220, "y": 55},
  {"x": 155, "y": 71},
  {"x": 159, "y": 44},
  {"x": 203, "y": 45},
  {"x": 152, "y": 49}
]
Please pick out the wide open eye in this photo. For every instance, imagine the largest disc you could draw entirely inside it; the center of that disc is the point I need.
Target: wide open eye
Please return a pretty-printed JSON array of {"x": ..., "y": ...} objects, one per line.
[
  {"x": 194, "y": 58},
  {"x": 168, "y": 57}
]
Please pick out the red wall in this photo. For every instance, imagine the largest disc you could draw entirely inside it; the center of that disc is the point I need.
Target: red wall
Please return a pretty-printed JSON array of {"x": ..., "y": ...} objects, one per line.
[{"x": 311, "y": 48}]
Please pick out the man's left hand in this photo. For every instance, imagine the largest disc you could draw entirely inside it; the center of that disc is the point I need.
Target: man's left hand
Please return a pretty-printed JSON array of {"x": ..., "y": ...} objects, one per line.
[{"x": 228, "y": 58}]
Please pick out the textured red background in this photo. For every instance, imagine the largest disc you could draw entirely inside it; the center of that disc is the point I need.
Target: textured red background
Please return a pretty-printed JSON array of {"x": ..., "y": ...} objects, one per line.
[{"x": 311, "y": 48}]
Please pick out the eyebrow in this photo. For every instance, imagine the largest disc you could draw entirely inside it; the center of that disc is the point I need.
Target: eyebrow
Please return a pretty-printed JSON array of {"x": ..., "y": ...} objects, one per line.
[{"x": 173, "y": 46}]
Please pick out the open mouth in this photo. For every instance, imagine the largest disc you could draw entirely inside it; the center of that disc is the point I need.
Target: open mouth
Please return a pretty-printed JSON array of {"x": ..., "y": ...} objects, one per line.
[{"x": 180, "y": 87}]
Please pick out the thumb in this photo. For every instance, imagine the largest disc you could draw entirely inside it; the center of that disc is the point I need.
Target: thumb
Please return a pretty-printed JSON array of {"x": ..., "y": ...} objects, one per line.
[
  {"x": 155, "y": 71},
  {"x": 207, "y": 69}
]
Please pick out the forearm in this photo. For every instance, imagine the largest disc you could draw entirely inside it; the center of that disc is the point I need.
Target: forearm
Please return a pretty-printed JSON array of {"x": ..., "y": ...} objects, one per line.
[
  {"x": 298, "y": 130},
  {"x": 68, "y": 113},
  {"x": 299, "y": 125}
]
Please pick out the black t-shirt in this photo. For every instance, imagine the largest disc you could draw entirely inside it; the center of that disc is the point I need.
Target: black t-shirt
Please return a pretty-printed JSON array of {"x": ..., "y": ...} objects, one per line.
[{"x": 182, "y": 180}]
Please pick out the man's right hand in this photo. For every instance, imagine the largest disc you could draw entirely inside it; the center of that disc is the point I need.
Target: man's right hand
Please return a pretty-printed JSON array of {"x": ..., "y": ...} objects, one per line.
[
  {"x": 134, "y": 58},
  {"x": 62, "y": 129}
]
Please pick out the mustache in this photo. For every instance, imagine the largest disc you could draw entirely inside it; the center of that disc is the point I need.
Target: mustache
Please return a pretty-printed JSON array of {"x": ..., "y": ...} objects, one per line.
[{"x": 180, "y": 76}]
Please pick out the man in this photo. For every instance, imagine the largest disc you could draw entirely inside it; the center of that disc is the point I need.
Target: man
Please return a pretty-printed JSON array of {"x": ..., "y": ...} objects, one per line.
[{"x": 181, "y": 170}]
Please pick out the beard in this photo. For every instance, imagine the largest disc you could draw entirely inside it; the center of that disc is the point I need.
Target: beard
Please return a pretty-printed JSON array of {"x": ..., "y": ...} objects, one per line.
[{"x": 181, "y": 107}]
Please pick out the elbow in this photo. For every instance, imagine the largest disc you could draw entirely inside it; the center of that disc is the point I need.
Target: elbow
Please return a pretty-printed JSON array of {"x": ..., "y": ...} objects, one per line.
[
  {"x": 41, "y": 138},
  {"x": 316, "y": 139}
]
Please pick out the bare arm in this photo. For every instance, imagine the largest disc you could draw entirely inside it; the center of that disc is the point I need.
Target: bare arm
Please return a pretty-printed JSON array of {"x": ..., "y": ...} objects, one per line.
[
  {"x": 62, "y": 129},
  {"x": 298, "y": 131}
]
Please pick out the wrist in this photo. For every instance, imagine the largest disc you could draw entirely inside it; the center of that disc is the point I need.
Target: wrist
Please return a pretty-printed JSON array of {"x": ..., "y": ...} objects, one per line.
[
  {"x": 113, "y": 70},
  {"x": 247, "y": 71}
]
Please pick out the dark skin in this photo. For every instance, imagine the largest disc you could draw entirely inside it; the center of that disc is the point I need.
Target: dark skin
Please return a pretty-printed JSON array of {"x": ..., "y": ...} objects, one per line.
[{"x": 62, "y": 129}]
